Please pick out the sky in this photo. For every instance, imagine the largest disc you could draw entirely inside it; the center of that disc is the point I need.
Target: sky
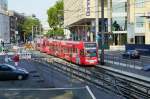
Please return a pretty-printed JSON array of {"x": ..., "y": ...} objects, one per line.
[{"x": 29, "y": 7}]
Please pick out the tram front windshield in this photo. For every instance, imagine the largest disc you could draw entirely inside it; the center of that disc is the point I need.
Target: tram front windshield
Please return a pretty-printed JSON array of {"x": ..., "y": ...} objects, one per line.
[
  {"x": 90, "y": 49},
  {"x": 91, "y": 53}
]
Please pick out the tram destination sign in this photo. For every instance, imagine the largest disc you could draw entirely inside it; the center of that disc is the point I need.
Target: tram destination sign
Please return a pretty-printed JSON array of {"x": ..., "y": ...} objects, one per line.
[{"x": 90, "y": 45}]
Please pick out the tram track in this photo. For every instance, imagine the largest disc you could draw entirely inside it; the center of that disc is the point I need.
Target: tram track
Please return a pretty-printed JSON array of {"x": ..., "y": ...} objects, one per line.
[
  {"x": 136, "y": 86},
  {"x": 99, "y": 77}
]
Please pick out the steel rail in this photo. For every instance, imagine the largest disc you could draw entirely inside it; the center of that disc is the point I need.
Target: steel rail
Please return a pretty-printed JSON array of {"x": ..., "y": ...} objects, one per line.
[{"x": 99, "y": 77}]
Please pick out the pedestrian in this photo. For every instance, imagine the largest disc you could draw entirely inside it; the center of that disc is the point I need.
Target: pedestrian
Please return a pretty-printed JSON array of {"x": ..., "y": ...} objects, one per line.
[
  {"x": 2, "y": 43},
  {"x": 6, "y": 58},
  {"x": 16, "y": 59}
]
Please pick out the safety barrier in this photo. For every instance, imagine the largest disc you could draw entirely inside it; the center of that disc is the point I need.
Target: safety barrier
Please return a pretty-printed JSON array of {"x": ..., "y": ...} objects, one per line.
[
  {"x": 28, "y": 46},
  {"x": 25, "y": 55}
]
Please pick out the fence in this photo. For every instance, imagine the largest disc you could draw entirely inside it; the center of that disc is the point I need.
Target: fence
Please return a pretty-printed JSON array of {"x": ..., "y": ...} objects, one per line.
[{"x": 130, "y": 65}]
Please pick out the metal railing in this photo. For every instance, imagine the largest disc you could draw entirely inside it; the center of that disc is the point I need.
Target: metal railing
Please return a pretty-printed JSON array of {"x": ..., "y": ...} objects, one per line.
[{"x": 129, "y": 65}]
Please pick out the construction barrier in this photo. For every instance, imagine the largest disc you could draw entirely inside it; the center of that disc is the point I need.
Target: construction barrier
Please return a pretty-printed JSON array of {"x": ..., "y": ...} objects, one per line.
[
  {"x": 28, "y": 46},
  {"x": 25, "y": 55}
]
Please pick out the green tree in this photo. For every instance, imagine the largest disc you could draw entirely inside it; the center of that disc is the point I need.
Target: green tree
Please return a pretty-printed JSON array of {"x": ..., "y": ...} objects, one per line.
[
  {"x": 55, "y": 19},
  {"x": 28, "y": 24},
  {"x": 56, "y": 32}
]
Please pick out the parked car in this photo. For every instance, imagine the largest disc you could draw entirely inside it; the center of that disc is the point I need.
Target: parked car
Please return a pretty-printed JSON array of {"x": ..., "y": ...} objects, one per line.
[
  {"x": 9, "y": 72},
  {"x": 131, "y": 54}
]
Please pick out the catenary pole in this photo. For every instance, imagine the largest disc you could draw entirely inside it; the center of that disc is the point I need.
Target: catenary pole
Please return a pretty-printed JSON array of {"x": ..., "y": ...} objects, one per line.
[
  {"x": 102, "y": 33},
  {"x": 97, "y": 21}
]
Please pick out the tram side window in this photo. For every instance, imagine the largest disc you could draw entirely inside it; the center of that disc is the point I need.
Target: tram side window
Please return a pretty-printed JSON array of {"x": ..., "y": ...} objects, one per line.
[
  {"x": 65, "y": 50},
  {"x": 76, "y": 51},
  {"x": 61, "y": 49},
  {"x": 57, "y": 48},
  {"x": 71, "y": 50},
  {"x": 82, "y": 52},
  {"x": 50, "y": 47},
  {"x": 68, "y": 50},
  {"x": 54, "y": 47}
]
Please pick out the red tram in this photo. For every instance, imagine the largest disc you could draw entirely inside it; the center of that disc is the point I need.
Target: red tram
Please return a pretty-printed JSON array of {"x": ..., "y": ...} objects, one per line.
[{"x": 78, "y": 52}]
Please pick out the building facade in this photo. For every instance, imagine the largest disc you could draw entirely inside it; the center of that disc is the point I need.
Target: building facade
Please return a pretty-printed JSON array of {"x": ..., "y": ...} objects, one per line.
[
  {"x": 139, "y": 21},
  {"x": 119, "y": 21},
  {"x": 3, "y": 5},
  {"x": 4, "y": 22},
  {"x": 126, "y": 21},
  {"x": 79, "y": 19},
  {"x": 16, "y": 33}
]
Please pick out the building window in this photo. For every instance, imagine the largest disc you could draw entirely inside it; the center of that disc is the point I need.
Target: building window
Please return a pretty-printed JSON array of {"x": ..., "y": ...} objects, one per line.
[
  {"x": 119, "y": 6},
  {"x": 139, "y": 3},
  {"x": 119, "y": 24},
  {"x": 149, "y": 26},
  {"x": 139, "y": 39},
  {"x": 139, "y": 20}
]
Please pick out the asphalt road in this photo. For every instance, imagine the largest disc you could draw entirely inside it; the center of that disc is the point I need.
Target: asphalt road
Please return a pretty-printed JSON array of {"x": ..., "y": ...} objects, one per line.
[{"x": 40, "y": 82}]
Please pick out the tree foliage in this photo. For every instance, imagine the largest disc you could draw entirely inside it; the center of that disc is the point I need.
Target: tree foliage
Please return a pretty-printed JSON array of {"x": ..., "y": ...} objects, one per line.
[
  {"x": 56, "y": 32},
  {"x": 55, "y": 18},
  {"x": 28, "y": 24}
]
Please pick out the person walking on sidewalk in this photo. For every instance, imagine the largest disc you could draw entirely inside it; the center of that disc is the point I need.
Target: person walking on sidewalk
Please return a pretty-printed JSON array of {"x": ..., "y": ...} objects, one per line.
[
  {"x": 16, "y": 59},
  {"x": 2, "y": 43}
]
